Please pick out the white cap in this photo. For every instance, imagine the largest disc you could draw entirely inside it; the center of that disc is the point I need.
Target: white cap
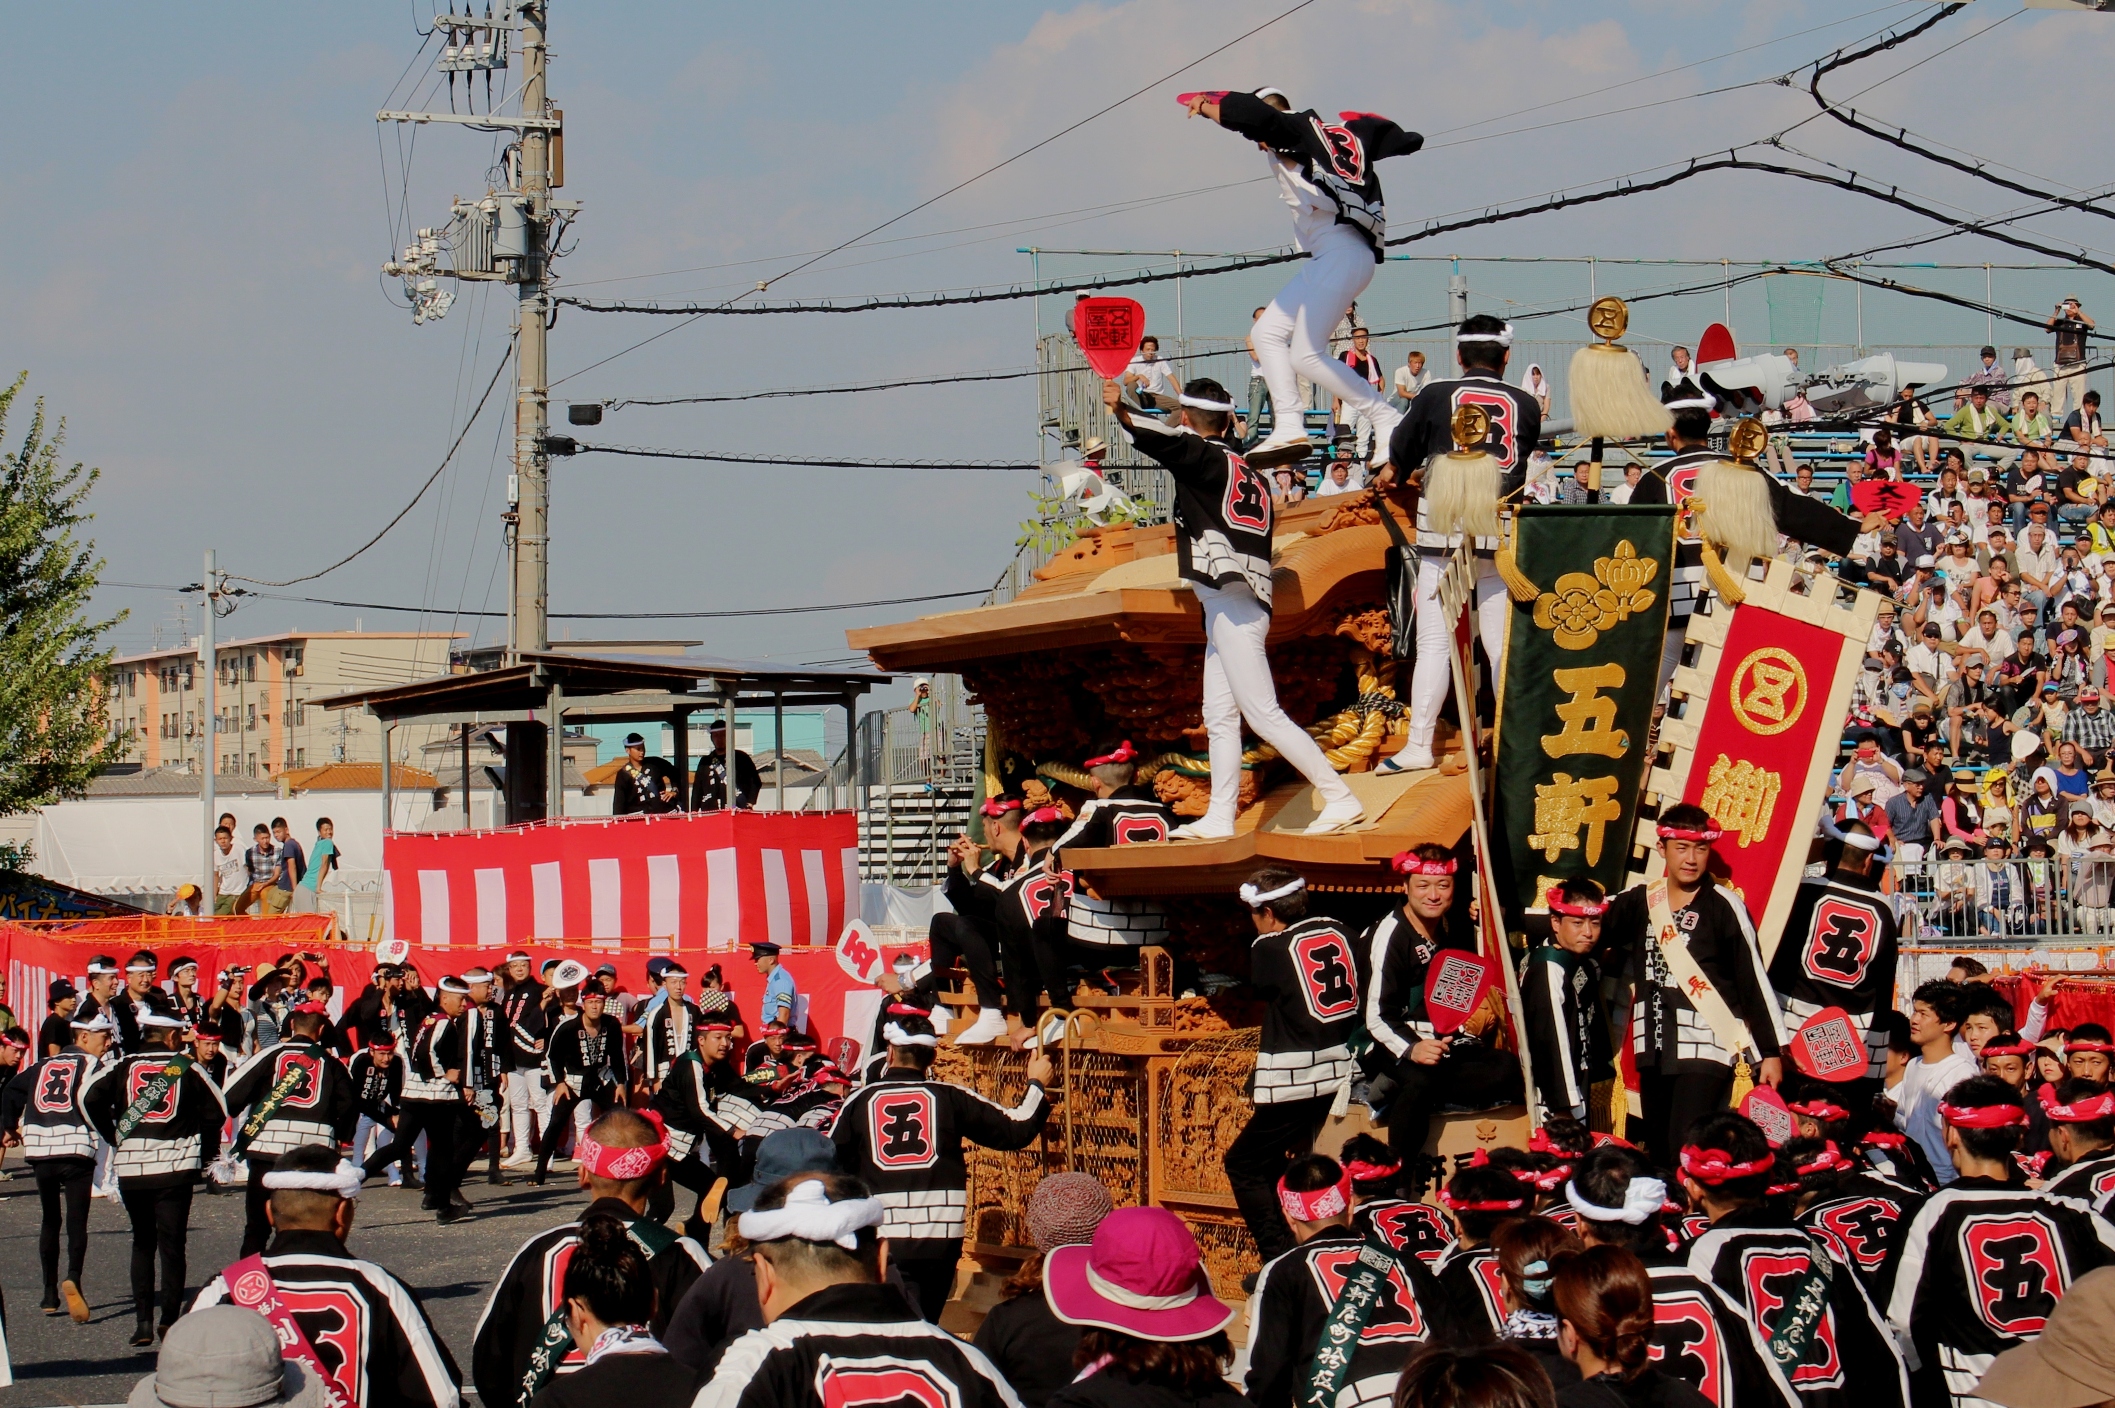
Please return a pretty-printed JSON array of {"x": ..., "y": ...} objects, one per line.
[
  {"x": 570, "y": 973},
  {"x": 102, "y": 1021},
  {"x": 1269, "y": 92},
  {"x": 1927, "y": 560}
]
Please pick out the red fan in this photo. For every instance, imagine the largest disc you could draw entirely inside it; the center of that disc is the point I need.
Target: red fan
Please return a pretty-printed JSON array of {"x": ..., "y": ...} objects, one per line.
[
  {"x": 1830, "y": 1046},
  {"x": 1767, "y": 1108},
  {"x": 1108, "y": 331},
  {"x": 844, "y": 1053},
  {"x": 1455, "y": 986},
  {"x": 1889, "y": 496},
  {"x": 1716, "y": 345}
]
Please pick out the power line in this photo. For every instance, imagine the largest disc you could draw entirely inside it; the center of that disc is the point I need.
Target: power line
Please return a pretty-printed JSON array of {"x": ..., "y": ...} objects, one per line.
[
  {"x": 801, "y": 461},
  {"x": 726, "y": 614},
  {"x": 817, "y": 259},
  {"x": 823, "y": 390},
  {"x": 446, "y": 460},
  {"x": 1002, "y": 165}
]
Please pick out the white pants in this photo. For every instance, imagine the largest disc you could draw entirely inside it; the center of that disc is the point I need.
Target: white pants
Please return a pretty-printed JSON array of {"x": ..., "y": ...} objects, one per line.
[
  {"x": 1292, "y": 337},
  {"x": 525, "y": 1093},
  {"x": 1237, "y": 686},
  {"x": 1365, "y": 429},
  {"x": 370, "y": 1135},
  {"x": 2067, "y": 387},
  {"x": 1431, "y": 676}
]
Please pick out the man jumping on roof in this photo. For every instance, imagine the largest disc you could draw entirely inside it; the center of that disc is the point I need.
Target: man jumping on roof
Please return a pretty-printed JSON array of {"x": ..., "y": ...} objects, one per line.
[{"x": 1325, "y": 173}]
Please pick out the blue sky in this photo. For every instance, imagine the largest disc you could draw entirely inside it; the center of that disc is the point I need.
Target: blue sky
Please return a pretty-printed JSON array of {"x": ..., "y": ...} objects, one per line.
[{"x": 196, "y": 212}]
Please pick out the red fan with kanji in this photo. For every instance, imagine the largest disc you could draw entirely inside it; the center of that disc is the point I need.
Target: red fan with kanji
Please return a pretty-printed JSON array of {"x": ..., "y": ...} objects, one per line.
[
  {"x": 1767, "y": 1108},
  {"x": 1455, "y": 986},
  {"x": 1108, "y": 331},
  {"x": 1830, "y": 1046},
  {"x": 1892, "y": 497}
]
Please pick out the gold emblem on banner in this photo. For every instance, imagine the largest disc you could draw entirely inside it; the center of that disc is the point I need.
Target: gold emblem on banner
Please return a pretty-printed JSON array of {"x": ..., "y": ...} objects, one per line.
[
  {"x": 1564, "y": 808},
  {"x": 1741, "y": 798},
  {"x": 1769, "y": 690},
  {"x": 1580, "y": 607},
  {"x": 1587, "y": 717}
]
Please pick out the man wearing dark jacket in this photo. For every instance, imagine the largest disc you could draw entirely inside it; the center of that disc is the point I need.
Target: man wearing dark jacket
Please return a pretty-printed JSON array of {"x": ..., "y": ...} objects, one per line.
[
  {"x": 622, "y": 1161},
  {"x": 708, "y": 791},
  {"x": 290, "y": 1094},
  {"x": 368, "y": 1328},
  {"x": 834, "y": 1334},
  {"x": 162, "y": 1118},
  {"x": 644, "y": 784}
]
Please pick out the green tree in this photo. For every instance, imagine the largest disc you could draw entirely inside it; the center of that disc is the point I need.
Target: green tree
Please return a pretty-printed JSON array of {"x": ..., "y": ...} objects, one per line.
[{"x": 54, "y": 709}]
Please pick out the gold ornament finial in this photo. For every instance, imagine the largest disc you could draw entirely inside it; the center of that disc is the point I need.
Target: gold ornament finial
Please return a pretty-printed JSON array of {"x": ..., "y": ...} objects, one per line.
[
  {"x": 1747, "y": 442},
  {"x": 1608, "y": 318},
  {"x": 1472, "y": 430}
]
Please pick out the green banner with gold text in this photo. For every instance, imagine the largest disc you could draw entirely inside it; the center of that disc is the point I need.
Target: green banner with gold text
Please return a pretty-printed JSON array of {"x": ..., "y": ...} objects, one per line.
[{"x": 1575, "y": 698}]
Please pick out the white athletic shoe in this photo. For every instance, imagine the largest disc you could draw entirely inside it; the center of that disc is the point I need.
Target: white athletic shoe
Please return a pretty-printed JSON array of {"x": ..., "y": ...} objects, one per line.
[
  {"x": 1198, "y": 831},
  {"x": 989, "y": 1027},
  {"x": 1287, "y": 446},
  {"x": 519, "y": 1161},
  {"x": 1337, "y": 816}
]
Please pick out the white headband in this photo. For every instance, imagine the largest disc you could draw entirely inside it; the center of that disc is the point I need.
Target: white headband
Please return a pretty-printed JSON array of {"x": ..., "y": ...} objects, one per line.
[
  {"x": 1861, "y": 843},
  {"x": 156, "y": 1019},
  {"x": 897, "y": 1036},
  {"x": 812, "y": 1217},
  {"x": 1697, "y": 403},
  {"x": 1641, "y": 1200},
  {"x": 1203, "y": 405},
  {"x": 1503, "y": 339},
  {"x": 1256, "y": 899},
  {"x": 344, "y": 1180}
]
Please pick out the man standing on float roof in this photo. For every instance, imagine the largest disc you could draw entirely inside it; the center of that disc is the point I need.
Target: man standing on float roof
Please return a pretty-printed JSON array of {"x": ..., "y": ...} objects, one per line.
[
  {"x": 1325, "y": 173},
  {"x": 1222, "y": 549}
]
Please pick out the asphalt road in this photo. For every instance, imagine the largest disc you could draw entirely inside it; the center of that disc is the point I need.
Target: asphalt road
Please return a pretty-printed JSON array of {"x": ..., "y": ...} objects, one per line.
[{"x": 450, "y": 1268}]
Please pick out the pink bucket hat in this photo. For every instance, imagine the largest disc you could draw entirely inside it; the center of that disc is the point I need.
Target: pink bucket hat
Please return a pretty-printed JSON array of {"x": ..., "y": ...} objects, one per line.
[{"x": 1142, "y": 1275}]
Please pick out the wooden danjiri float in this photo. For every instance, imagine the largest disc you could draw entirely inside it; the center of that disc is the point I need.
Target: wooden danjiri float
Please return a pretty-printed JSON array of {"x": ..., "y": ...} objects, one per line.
[{"x": 1108, "y": 644}]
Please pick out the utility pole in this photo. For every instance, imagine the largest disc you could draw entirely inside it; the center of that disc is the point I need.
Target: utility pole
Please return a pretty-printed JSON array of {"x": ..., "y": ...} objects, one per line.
[
  {"x": 532, "y": 420},
  {"x": 506, "y": 236},
  {"x": 208, "y": 664}
]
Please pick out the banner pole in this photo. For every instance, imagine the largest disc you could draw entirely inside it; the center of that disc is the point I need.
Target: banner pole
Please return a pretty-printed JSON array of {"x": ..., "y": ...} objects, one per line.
[{"x": 1458, "y": 589}]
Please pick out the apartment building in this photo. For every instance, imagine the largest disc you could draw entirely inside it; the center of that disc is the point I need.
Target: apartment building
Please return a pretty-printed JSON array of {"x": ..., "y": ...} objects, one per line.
[{"x": 266, "y": 722}]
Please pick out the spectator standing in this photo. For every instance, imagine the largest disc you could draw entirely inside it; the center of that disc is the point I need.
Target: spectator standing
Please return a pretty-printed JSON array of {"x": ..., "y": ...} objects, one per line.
[
  {"x": 2070, "y": 324},
  {"x": 1935, "y": 1016},
  {"x": 644, "y": 784},
  {"x": 1410, "y": 378},
  {"x": 231, "y": 873},
  {"x": 781, "y": 997},
  {"x": 322, "y": 860},
  {"x": 261, "y": 863},
  {"x": 1258, "y": 384},
  {"x": 709, "y": 792},
  {"x": 1367, "y": 367},
  {"x": 287, "y": 872},
  {"x": 1993, "y": 378}
]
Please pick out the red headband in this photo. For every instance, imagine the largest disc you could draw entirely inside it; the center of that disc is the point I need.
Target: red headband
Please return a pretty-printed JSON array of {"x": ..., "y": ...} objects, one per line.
[
  {"x": 906, "y": 1009},
  {"x": 2086, "y": 1111},
  {"x": 315, "y": 1008},
  {"x": 13, "y": 1037},
  {"x": 1124, "y": 753},
  {"x": 1885, "y": 1139},
  {"x": 1362, "y": 1172},
  {"x": 715, "y": 1024},
  {"x": 1592, "y": 909},
  {"x": 1000, "y": 806},
  {"x": 1540, "y": 1143},
  {"x": 1410, "y": 863},
  {"x": 1493, "y": 1205},
  {"x": 1819, "y": 1108},
  {"x": 2019, "y": 1047},
  {"x": 2032, "y": 1164},
  {"x": 1710, "y": 832},
  {"x": 1827, "y": 1161},
  {"x": 1716, "y": 1166},
  {"x": 2088, "y": 1046},
  {"x": 1043, "y": 815},
  {"x": 618, "y": 1165},
  {"x": 1317, "y": 1206},
  {"x": 1549, "y": 1181},
  {"x": 1981, "y": 1116}
]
